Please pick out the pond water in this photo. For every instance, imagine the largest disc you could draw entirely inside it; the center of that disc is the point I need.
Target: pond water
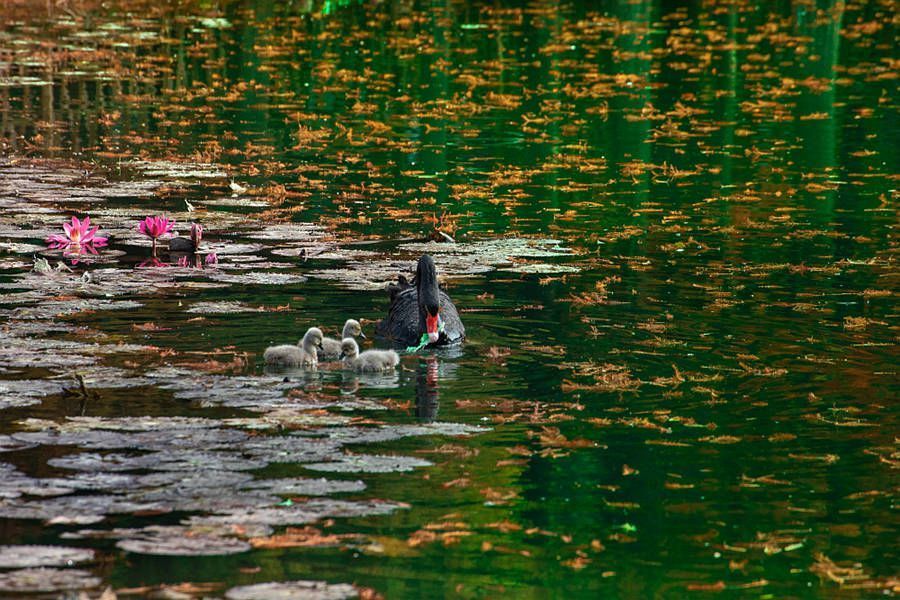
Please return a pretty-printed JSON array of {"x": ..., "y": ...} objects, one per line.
[{"x": 675, "y": 259}]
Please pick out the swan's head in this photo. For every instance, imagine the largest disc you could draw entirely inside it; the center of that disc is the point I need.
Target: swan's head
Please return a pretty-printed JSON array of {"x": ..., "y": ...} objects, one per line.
[
  {"x": 352, "y": 328},
  {"x": 313, "y": 338},
  {"x": 429, "y": 297},
  {"x": 349, "y": 348}
]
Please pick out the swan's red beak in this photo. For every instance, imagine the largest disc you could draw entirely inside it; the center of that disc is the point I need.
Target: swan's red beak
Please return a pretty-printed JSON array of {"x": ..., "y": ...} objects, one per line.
[{"x": 431, "y": 327}]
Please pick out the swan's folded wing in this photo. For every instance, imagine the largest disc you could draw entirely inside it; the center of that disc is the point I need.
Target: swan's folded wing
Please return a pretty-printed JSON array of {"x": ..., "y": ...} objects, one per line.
[{"x": 401, "y": 326}]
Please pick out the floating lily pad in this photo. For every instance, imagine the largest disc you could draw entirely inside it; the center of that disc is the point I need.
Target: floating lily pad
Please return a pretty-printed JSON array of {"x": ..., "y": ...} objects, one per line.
[
  {"x": 14, "y": 483},
  {"x": 370, "y": 463},
  {"x": 366, "y": 435},
  {"x": 145, "y": 423},
  {"x": 541, "y": 268},
  {"x": 289, "y": 232},
  {"x": 72, "y": 507},
  {"x": 10, "y": 444},
  {"x": 95, "y": 462},
  {"x": 325, "y": 252},
  {"x": 46, "y": 580},
  {"x": 113, "y": 482},
  {"x": 260, "y": 278},
  {"x": 223, "y": 307},
  {"x": 233, "y": 201},
  {"x": 293, "y": 590},
  {"x": 99, "y": 440},
  {"x": 177, "y": 170},
  {"x": 20, "y": 248},
  {"x": 18, "y": 557},
  {"x": 453, "y": 260},
  {"x": 298, "y": 513},
  {"x": 223, "y": 248},
  {"x": 24, "y": 392},
  {"x": 290, "y": 449},
  {"x": 193, "y": 545},
  {"x": 166, "y": 460},
  {"x": 262, "y": 394},
  {"x": 171, "y": 531},
  {"x": 305, "y": 487},
  {"x": 53, "y": 309}
]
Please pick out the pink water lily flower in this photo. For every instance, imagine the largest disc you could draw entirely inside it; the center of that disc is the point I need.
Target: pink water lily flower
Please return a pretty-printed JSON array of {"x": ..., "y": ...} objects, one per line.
[
  {"x": 212, "y": 259},
  {"x": 78, "y": 234},
  {"x": 156, "y": 227}
]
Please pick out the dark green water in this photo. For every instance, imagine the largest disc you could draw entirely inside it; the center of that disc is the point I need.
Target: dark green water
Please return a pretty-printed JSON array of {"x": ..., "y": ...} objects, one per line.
[{"x": 721, "y": 367}]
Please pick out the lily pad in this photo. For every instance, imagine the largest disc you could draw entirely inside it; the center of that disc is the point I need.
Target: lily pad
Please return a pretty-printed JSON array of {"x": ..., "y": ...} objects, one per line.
[
  {"x": 258, "y": 278},
  {"x": 18, "y": 557},
  {"x": 166, "y": 460},
  {"x": 290, "y": 449},
  {"x": 199, "y": 479},
  {"x": 541, "y": 268},
  {"x": 293, "y": 590},
  {"x": 46, "y": 580},
  {"x": 24, "y": 392},
  {"x": 305, "y": 487},
  {"x": 240, "y": 201},
  {"x": 193, "y": 545},
  {"x": 113, "y": 482},
  {"x": 367, "y": 435},
  {"x": 453, "y": 261},
  {"x": 10, "y": 444},
  {"x": 289, "y": 232},
  {"x": 69, "y": 507},
  {"x": 171, "y": 531},
  {"x": 223, "y": 307},
  {"x": 298, "y": 513},
  {"x": 55, "y": 309},
  {"x": 21, "y": 248},
  {"x": 370, "y": 463},
  {"x": 177, "y": 170}
]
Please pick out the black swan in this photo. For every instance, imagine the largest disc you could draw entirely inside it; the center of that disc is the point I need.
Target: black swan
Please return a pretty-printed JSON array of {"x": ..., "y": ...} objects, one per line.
[
  {"x": 304, "y": 354},
  {"x": 421, "y": 313},
  {"x": 370, "y": 361},
  {"x": 331, "y": 348}
]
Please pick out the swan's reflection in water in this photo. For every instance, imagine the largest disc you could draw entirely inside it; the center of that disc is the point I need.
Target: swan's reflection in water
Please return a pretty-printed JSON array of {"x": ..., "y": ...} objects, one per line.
[
  {"x": 430, "y": 371},
  {"x": 427, "y": 389}
]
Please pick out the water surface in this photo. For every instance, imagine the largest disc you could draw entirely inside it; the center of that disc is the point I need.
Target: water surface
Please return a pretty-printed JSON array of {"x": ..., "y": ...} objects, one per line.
[{"x": 691, "y": 389}]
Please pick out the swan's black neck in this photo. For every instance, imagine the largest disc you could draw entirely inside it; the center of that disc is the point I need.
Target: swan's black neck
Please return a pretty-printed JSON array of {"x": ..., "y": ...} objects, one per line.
[{"x": 429, "y": 299}]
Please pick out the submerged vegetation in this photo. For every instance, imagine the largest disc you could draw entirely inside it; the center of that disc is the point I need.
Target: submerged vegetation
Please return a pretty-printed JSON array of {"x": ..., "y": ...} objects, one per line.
[{"x": 670, "y": 232}]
